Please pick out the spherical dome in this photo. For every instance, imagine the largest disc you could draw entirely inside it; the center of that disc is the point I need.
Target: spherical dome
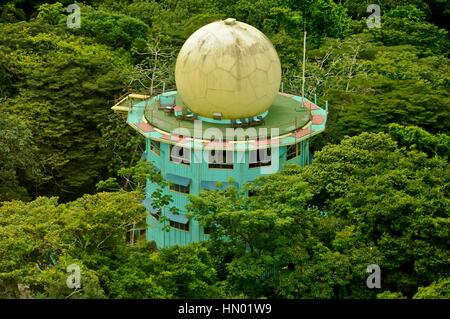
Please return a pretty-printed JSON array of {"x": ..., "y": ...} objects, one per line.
[{"x": 228, "y": 67}]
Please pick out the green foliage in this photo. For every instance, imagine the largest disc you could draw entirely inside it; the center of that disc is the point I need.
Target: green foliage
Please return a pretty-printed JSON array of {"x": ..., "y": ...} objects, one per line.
[
  {"x": 134, "y": 178},
  {"x": 17, "y": 158},
  {"x": 10, "y": 13},
  {"x": 185, "y": 272},
  {"x": 358, "y": 9},
  {"x": 415, "y": 137},
  {"x": 327, "y": 18},
  {"x": 437, "y": 290},
  {"x": 114, "y": 30},
  {"x": 364, "y": 201},
  {"x": 271, "y": 241},
  {"x": 369, "y": 85},
  {"x": 305, "y": 233},
  {"x": 118, "y": 138},
  {"x": 40, "y": 238},
  {"x": 52, "y": 282},
  {"x": 199, "y": 20},
  {"x": 62, "y": 96},
  {"x": 406, "y": 25},
  {"x": 390, "y": 295},
  {"x": 397, "y": 197},
  {"x": 132, "y": 278},
  {"x": 388, "y": 85},
  {"x": 51, "y": 13},
  {"x": 410, "y": 12},
  {"x": 97, "y": 222}
]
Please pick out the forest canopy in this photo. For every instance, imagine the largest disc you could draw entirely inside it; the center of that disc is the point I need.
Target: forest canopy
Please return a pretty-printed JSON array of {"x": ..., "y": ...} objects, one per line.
[{"x": 71, "y": 182}]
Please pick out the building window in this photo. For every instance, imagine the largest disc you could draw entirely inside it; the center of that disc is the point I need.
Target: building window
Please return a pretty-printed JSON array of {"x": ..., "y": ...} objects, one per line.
[
  {"x": 155, "y": 147},
  {"x": 206, "y": 230},
  {"x": 179, "y": 188},
  {"x": 261, "y": 157},
  {"x": 293, "y": 151},
  {"x": 180, "y": 154},
  {"x": 156, "y": 214},
  {"x": 180, "y": 226},
  {"x": 220, "y": 159}
]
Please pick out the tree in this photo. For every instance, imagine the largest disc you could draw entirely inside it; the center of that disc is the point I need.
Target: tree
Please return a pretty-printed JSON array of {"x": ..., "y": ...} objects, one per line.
[
  {"x": 114, "y": 30},
  {"x": 364, "y": 201},
  {"x": 376, "y": 193},
  {"x": 437, "y": 290},
  {"x": 407, "y": 25},
  {"x": 63, "y": 94},
  {"x": 41, "y": 238},
  {"x": 18, "y": 163},
  {"x": 389, "y": 85},
  {"x": 185, "y": 272},
  {"x": 417, "y": 138},
  {"x": 396, "y": 197},
  {"x": 154, "y": 72},
  {"x": 51, "y": 13}
]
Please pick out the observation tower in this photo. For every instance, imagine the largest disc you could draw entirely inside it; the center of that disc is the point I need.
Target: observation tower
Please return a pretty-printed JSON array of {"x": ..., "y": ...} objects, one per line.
[{"x": 225, "y": 125}]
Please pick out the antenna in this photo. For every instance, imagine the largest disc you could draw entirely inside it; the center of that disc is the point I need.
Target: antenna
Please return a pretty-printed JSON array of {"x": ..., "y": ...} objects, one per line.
[
  {"x": 304, "y": 55},
  {"x": 303, "y": 66}
]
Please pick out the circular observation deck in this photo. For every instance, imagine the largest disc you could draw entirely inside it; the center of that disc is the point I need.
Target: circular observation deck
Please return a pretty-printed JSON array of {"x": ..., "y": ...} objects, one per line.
[{"x": 286, "y": 114}]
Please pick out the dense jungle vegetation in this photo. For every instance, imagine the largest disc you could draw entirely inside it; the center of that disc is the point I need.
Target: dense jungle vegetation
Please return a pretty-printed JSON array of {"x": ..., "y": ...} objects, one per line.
[{"x": 377, "y": 191}]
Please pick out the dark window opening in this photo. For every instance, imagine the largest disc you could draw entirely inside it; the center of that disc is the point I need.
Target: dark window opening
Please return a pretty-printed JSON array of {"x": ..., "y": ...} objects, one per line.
[
  {"x": 221, "y": 159},
  {"x": 180, "y": 154},
  {"x": 180, "y": 226},
  {"x": 155, "y": 147},
  {"x": 179, "y": 188},
  {"x": 156, "y": 214},
  {"x": 293, "y": 151},
  {"x": 261, "y": 157}
]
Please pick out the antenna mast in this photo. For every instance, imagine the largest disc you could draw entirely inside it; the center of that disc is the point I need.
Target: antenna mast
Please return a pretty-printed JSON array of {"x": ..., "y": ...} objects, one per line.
[
  {"x": 303, "y": 66},
  {"x": 304, "y": 54}
]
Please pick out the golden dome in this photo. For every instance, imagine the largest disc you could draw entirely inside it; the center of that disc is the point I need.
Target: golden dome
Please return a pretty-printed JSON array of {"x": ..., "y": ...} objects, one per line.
[{"x": 228, "y": 67}]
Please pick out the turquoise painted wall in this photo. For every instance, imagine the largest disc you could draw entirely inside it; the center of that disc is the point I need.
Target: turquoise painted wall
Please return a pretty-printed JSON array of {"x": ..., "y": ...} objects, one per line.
[{"x": 199, "y": 172}]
